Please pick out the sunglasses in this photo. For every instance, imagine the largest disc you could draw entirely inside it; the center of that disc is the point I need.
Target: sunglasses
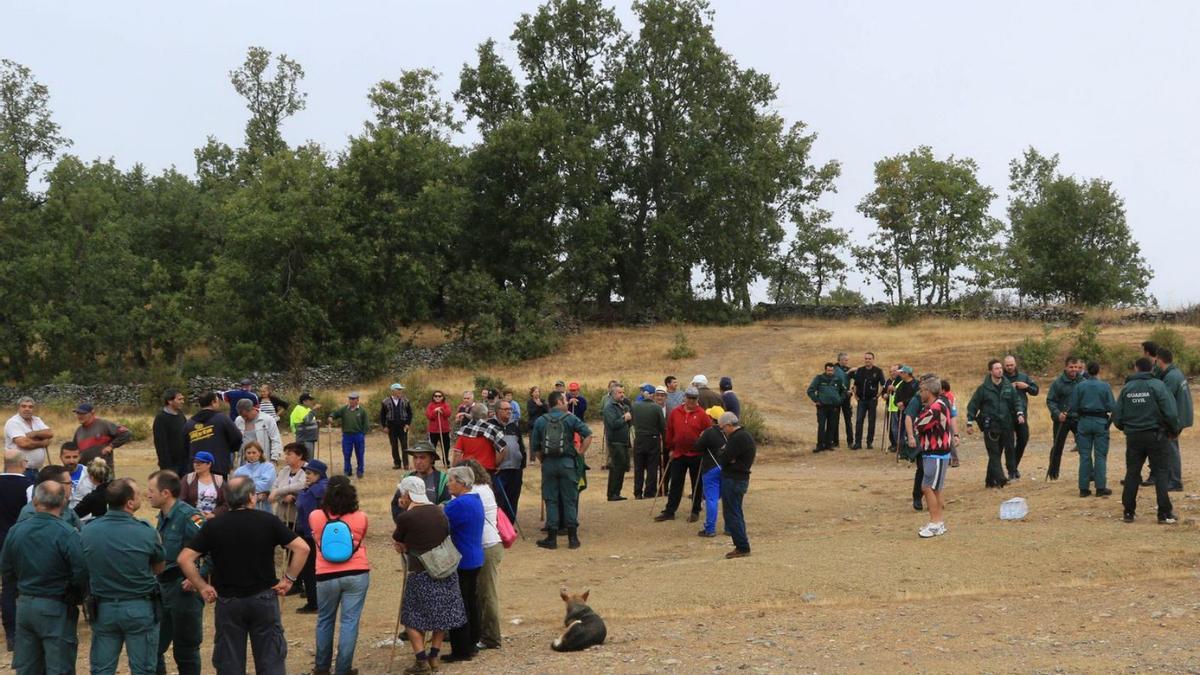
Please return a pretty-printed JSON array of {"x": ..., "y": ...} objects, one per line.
[{"x": 437, "y": 396}]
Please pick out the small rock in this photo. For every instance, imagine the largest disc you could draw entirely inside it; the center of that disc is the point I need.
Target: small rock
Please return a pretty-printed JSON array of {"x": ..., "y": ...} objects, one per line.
[
  {"x": 671, "y": 662},
  {"x": 517, "y": 621},
  {"x": 808, "y": 597}
]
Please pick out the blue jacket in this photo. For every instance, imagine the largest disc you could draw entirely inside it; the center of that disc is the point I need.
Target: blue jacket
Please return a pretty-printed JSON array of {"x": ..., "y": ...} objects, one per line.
[
  {"x": 465, "y": 514},
  {"x": 309, "y": 500},
  {"x": 262, "y": 473}
]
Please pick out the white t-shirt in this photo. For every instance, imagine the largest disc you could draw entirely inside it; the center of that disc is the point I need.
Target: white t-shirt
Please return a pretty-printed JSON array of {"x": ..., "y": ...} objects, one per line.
[
  {"x": 491, "y": 535},
  {"x": 16, "y": 427},
  {"x": 206, "y": 496}
]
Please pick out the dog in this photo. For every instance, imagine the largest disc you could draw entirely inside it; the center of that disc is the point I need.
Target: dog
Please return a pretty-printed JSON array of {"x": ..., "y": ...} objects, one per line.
[{"x": 582, "y": 628}]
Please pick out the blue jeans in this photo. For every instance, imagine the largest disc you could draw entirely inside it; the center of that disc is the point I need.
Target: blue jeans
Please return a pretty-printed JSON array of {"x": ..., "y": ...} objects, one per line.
[
  {"x": 712, "y": 492},
  {"x": 350, "y": 593},
  {"x": 732, "y": 492},
  {"x": 356, "y": 443}
]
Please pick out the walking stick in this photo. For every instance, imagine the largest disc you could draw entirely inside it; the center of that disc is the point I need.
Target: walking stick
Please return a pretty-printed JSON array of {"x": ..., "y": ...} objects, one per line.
[
  {"x": 661, "y": 478},
  {"x": 399, "y": 610}
]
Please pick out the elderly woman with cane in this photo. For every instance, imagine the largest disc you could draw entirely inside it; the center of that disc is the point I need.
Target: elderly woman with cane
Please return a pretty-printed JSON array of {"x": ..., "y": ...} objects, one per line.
[{"x": 428, "y": 604}]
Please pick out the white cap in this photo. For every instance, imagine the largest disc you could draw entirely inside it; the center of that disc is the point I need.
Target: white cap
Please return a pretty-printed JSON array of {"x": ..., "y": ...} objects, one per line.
[
  {"x": 414, "y": 487},
  {"x": 700, "y": 381}
]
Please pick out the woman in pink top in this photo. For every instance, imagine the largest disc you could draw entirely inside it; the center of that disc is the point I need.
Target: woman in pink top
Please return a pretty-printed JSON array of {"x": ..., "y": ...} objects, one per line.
[{"x": 340, "y": 584}]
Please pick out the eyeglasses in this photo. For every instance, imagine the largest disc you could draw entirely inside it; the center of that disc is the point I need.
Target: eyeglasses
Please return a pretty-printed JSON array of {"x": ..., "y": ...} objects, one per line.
[{"x": 437, "y": 396}]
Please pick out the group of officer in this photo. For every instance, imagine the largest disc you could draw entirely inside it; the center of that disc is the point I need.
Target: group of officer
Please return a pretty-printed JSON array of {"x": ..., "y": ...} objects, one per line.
[{"x": 121, "y": 569}]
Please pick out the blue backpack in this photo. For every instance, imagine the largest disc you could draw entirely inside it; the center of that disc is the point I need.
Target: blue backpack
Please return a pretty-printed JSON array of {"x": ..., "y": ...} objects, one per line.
[{"x": 337, "y": 545}]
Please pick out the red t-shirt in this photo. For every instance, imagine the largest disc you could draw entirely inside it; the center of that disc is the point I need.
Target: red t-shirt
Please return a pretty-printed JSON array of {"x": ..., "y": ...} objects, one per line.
[{"x": 479, "y": 449}]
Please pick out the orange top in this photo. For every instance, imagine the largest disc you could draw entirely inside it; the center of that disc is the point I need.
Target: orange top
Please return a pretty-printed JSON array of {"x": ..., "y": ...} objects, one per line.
[{"x": 357, "y": 522}]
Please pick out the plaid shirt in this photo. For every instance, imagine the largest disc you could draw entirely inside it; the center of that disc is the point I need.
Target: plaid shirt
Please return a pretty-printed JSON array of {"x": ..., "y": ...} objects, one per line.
[
  {"x": 482, "y": 429},
  {"x": 933, "y": 427}
]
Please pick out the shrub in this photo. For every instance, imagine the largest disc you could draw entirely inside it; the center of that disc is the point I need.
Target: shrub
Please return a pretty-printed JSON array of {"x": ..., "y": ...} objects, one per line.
[
  {"x": 754, "y": 422},
  {"x": 1119, "y": 358},
  {"x": 898, "y": 315},
  {"x": 843, "y": 296},
  {"x": 139, "y": 428},
  {"x": 1036, "y": 355},
  {"x": 1185, "y": 358},
  {"x": 1086, "y": 344},
  {"x": 681, "y": 349},
  {"x": 492, "y": 384},
  {"x": 713, "y": 312}
]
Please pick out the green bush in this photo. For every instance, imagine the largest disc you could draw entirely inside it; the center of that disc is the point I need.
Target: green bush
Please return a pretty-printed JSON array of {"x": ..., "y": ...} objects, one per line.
[
  {"x": 754, "y": 422},
  {"x": 681, "y": 349},
  {"x": 898, "y": 315},
  {"x": 157, "y": 381},
  {"x": 1185, "y": 358},
  {"x": 713, "y": 312},
  {"x": 1118, "y": 359},
  {"x": 1036, "y": 355},
  {"x": 372, "y": 358},
  {"x": 1086, "y": 344},
  {"x": 139, "y": 428},
  {"x": 491, "y": 383}
]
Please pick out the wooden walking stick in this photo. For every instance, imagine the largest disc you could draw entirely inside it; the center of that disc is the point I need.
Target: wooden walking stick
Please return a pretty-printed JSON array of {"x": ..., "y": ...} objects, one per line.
[
  {"x": 399, "y": 609},
  {"x": 661, "y": 478}
]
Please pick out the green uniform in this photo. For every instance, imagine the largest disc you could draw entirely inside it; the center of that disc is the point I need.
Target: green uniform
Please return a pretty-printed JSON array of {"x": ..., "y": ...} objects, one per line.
[
  {"x": 616, "y": 433},
  {"x": 648, "y": 419},
  {"x": 182, "y": 611},
  {"x": 1024, "y": 394},
  {"x": 1145, "y": 405},
  {"x": 827, "y": 389},
  {"x": 1090, "y": 405},
  {"x": 1177, "y": 386},
  {"x": 998, "y": 403},
  {"x": 68, "y": 516},
  {"x": 45, "y": 556},
  {"x": 121, "y": 550},
  {"x": 560, "y": 475},
  {"x": 1058, "y": 399}
]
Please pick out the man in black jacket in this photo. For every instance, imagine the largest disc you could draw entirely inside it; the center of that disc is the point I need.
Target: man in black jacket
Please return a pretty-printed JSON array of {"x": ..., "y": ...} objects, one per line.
[
  {"x": 214, "y": 432},
  {"x": 735, "y": 462},
  {"x": 170, "y": 443},
  {"x": 866, "y": 383},
  {"x": 395, "y": 415}
]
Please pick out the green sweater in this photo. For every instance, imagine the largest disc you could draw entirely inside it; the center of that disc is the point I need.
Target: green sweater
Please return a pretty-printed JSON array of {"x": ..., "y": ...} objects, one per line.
[
  {"x": 1058, "y": 399},
  {"x": 1145, "y": 405},
  {"x": 649, "y": 419},
  {"x": 353, "y": 421},
  {"x": 998, "y": 402}
]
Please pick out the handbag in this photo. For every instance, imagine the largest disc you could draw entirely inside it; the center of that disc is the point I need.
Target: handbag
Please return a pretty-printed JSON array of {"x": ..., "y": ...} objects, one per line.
[
  {"x": 505, "y": 527},
  {"x": 442, "y": 560}
]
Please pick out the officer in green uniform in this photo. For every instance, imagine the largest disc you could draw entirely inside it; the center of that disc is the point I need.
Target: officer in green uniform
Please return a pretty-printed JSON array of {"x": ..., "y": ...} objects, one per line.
[
  {"x": 1091, "y": 403},
  {"x": 827, "y": 391},
  {"x": 182, "y": 608},
  {"x": 1147, "y": 413},
  {"x": 553, "y": 442},
  {"x": 1058, "y": 399},
  {"x": 56, "y": 474},
  {"x": 998, "y": 409},
  {"x": 44, "y": 554},
  {"x": 124, "y": 554},
  {"x": 617, "y": 417}
]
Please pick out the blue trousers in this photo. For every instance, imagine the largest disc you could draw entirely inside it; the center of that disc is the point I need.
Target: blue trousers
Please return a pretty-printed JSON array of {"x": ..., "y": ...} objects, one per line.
[
  {"x": 356, "y": 443},
  {"x": 348, "y": 594},
  {"x": 732, "y": 492},
  {"x": 712, "y": 493}
]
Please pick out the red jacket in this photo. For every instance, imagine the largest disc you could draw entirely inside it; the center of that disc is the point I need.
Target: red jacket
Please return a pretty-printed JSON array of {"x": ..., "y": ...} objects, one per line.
[
  {"x": 438, "y": 424},
  {"x": 683, "y": 428}
]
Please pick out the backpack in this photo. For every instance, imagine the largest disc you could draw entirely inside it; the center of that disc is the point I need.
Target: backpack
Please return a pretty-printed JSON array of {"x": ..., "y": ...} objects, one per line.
[
  {"x": 337, "y": 544},
  {"x": 554, "y": 442}
]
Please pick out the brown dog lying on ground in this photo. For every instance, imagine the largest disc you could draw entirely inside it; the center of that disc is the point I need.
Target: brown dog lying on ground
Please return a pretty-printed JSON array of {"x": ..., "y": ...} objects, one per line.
[{"x": 582, "y": 628}]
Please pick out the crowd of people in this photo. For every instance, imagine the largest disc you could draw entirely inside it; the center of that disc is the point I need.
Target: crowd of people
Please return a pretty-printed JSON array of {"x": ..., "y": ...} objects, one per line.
[
  {"x": 1152, "y": 408},
  {"x": 229, "y": 492}
]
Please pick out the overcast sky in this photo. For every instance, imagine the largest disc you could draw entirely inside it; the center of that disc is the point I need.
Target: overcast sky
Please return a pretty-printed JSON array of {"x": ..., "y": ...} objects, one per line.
[{"x": 1110, "y": 86}]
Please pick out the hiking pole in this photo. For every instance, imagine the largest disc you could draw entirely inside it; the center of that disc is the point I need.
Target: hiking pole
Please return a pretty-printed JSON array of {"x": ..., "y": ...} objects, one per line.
[
  {"x": 661, "y": 478},
  {"x": 399, "y": 609}
]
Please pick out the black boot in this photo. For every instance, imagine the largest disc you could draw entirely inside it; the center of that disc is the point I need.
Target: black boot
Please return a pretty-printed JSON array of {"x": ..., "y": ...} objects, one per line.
[
  {"x": 572, "y": 538},
  {"x": 551, "y": 540}
]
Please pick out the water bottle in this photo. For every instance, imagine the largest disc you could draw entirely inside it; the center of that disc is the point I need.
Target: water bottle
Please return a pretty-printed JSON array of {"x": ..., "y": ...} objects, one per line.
[{"x": 1014, "y": 509}]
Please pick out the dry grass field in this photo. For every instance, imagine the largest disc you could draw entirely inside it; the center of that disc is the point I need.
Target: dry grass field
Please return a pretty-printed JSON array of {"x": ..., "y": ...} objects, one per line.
[{"x": 838, "y": 580}]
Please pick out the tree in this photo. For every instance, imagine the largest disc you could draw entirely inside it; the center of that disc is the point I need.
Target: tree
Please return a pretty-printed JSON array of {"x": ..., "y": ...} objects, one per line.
[
  {"x": 1070, "y": 240},
  {"x": 813, "y": 262},
  {"x": 933, "y": 231},
  {"x": 27, "y": 129},
  {"x": 271, "y": 99},
  {"x": 412, "y": 105},
  {"x": 489, "y": 91}
]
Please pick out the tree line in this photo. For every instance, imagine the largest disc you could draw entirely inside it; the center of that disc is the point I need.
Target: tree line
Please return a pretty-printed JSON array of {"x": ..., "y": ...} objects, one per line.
[{"x": 638, "y": 174}]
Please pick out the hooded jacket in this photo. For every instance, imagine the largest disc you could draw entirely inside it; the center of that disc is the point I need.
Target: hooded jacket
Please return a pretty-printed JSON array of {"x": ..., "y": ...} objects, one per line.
[
  {"x": 998, "y": 403},
  {"x": 213, "y": 431}
]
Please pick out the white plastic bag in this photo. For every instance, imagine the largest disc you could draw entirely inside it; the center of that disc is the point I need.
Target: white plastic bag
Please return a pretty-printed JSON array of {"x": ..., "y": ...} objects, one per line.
[{"x": 1014, "y": 509}]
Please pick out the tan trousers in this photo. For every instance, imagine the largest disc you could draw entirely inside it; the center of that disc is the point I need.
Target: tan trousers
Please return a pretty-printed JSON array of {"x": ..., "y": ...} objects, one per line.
[{"x": 487, "y": 594}]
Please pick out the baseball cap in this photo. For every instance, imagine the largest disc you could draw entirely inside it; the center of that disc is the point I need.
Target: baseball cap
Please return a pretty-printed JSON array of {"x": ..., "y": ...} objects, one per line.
[
  {"x": 906, "y": 369},
  {"x": 559, "y": 383},
  {"x": 574, "y": 386},
  {"x": 203, "y": 456},
  {"x": 700, "y": 381},
  {"x": 414, "y": 487},
  {"x": 660, "y": 389},
  {"x": 353, "y": 394},
  {"x": 715, "y": 412},
  {"x": 726, "y": 383},
  {"x": 692, "y": 392},
  {"x": 245, "y": 381},
  {"x": 306, "y": 397},
  {"x": 648, "y": 389},
  {"x": 397, "y": 385},
  {"x": 84, "y": 408}
]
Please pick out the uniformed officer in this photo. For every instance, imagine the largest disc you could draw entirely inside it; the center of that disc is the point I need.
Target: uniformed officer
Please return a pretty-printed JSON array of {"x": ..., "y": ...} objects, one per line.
[
  {"x": 182, "y": 606},
  {"x": 1146, "y": 412},
  {"x": 56, "y": 474},
  {"x": 124, "y": 554},
  {"x": 45, "y": 556},
  {"x": 1091, "y": 404}
]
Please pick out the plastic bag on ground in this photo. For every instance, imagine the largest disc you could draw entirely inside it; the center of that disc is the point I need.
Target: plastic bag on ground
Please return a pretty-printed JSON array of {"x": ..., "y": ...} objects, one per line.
[{"x": 1014, "y": 509}]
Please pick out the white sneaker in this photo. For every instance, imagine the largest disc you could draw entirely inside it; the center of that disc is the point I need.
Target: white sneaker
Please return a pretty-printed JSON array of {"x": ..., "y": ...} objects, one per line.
[
  {"x": 941, "y": 529},
  {"x": 930, "y": 530}
]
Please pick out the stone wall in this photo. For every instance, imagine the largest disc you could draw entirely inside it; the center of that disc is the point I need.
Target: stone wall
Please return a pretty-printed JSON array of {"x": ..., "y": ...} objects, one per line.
[{"x": 880, "y": 310}]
